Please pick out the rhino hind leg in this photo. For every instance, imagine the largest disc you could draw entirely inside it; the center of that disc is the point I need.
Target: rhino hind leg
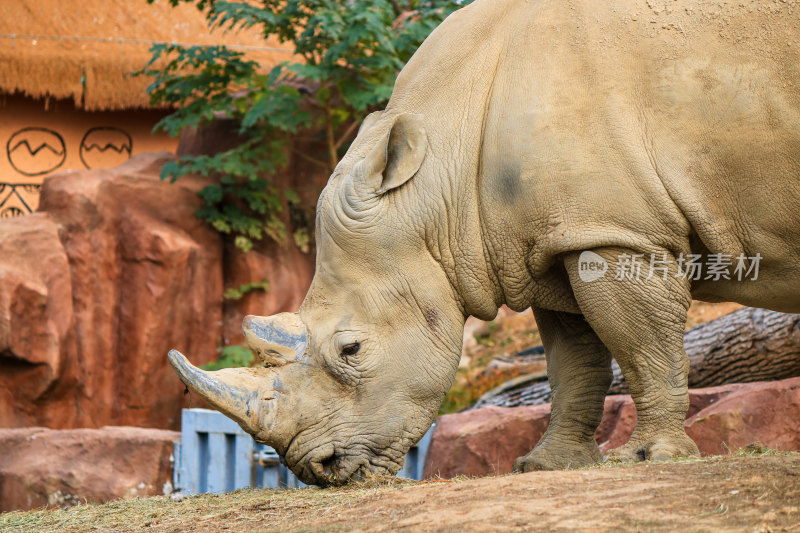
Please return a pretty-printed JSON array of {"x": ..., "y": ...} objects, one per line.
[
  {"x": 579, "y": 370},
  {"x": 641, "y": 321}
]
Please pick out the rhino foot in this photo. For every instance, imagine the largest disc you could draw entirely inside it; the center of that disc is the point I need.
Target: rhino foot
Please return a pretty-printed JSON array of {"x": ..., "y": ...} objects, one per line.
[
  {"x": 558, "y": 457},
  {"x": 661, "y": 448}
]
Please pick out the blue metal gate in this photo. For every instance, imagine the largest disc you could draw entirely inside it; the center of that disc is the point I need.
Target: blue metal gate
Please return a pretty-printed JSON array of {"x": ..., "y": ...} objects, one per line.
[{"x": 216, "y": 455}]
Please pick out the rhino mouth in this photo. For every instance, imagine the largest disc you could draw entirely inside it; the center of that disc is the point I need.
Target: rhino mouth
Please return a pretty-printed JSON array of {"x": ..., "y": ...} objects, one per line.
[
  {"x": 335, "y": 469},
  {"x": 325, "y": 465},
  {"x": 341, "y": 469}
]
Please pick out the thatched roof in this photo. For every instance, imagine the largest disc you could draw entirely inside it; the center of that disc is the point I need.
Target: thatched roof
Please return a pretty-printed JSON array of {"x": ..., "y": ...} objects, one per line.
[{"x": 85, "y": 50}]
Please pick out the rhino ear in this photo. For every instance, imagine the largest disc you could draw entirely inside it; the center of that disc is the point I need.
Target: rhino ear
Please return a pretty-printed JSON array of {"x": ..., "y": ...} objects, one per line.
[
  {"x": 397, "y": 156},
  {"x": 369, "y": 121}
]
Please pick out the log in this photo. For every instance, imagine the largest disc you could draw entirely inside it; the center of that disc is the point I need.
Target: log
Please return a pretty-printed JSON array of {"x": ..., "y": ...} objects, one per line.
[{"x": 746, "y": 345}]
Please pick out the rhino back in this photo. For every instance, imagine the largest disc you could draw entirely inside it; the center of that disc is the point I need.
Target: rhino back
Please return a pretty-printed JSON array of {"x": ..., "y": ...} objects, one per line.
[{"x": 651, "y": 125}]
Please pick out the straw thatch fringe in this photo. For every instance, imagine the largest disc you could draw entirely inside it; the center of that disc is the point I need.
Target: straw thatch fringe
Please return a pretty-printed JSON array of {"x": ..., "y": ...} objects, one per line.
[
  {"x": 95, "y": 81},
  {"x": 96, "y": 75}
]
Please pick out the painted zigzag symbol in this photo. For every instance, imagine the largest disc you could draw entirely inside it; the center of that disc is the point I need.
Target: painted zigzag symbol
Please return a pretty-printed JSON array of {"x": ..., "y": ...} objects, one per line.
[
  {"x": 35, "y": 151},
  {"x": 109, "y": 146}
]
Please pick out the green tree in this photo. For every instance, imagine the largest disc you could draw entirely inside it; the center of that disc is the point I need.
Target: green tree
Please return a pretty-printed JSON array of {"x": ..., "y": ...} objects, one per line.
[{"x": 351, "y": 53}]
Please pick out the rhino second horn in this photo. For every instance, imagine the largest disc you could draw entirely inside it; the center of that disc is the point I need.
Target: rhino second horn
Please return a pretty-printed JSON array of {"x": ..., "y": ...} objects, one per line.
[
  {"x": 219, "y": 388},
  {"x": 278, "y": 339}
]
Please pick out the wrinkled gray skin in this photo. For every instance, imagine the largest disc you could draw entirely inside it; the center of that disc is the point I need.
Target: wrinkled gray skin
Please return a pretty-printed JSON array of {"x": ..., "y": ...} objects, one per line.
[{"x": 518, "y": 136}]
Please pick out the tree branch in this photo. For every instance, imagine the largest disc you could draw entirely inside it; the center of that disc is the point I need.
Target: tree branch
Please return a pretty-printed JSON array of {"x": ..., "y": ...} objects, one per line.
[
  {"x": 329, "y": 136},
  {"x": 309, "y": 158},
  {"x": 398, "y": 9},
  {"x": 346, "y": 134}
]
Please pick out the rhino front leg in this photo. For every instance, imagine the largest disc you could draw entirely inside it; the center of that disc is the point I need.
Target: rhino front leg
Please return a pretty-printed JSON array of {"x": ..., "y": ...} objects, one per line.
[
  {"x": 641, "y": 320},
  {"x": 579, "y": 370}
]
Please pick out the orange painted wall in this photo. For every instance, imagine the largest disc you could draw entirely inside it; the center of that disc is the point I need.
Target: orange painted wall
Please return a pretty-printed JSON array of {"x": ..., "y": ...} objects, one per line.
[{"x": 39, "y": 138}]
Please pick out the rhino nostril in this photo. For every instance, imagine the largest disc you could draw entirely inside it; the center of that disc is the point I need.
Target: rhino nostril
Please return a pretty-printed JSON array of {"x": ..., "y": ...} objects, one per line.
[
  {"x": 329, "y": 466},
  {"x": 359, "y": 474}
]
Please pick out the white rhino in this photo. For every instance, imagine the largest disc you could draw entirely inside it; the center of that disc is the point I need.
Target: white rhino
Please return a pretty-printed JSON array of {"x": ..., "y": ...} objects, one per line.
[{"x": 519, "y": 136}]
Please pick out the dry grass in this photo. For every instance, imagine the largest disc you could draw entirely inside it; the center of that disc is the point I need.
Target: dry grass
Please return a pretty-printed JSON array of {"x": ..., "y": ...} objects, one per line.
[
  {"x": 754, "y": 489},
  {"x": 751, "y": 450},
  {"x": 239, "y": 510}
]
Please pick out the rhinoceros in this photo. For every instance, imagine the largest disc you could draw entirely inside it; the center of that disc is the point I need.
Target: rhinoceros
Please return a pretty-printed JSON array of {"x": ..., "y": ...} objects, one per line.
[{"x": 527, "y": 148}]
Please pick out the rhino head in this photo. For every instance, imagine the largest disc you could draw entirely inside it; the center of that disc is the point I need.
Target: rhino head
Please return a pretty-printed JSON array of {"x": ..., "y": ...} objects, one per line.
[{"x": 353, "y": 379}]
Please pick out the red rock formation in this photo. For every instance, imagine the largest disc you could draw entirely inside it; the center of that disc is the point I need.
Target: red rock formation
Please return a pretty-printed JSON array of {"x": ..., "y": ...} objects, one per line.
[
  {"x": 146, "y": 277},
  {"x": 37, "y": 325},
  {"x": 113, "y": 272},
  {"x": 767, "y": 413},
  {"x": 288, "y": 270},
  {"x": 40, "y": 466},
  {"x": 486, "y": 441}
]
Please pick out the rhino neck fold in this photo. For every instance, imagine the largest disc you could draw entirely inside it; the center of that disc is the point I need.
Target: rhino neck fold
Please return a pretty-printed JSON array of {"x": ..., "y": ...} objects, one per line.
[
  {"x": 455, "y": 237},
  {"x": 447, "y": 183}
]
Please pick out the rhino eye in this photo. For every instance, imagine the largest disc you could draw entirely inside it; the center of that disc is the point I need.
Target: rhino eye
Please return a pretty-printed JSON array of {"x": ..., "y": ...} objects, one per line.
[{"x": 351, "y": 349}]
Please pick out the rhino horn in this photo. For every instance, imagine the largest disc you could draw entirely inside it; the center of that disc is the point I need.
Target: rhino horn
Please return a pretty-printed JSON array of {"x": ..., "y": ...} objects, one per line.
[
  {"x": 277, "y": 339},
  {"x": 233, "y": 391}
]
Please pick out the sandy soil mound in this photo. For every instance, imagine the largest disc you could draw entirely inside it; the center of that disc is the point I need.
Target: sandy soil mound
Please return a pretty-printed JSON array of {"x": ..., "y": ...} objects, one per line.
[{"x": 732, "y": 493}]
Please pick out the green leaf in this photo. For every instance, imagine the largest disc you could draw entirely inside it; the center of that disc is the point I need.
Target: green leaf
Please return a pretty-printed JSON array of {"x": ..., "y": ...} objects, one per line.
[
  {"x": 212, "y": 194},
  {"x": 291, "y": 196},
  {"x": 243, "y": 243},
  {"x": 302, "y": 240},
  {"x": 231, "y": 356},
  {"x": 351, "y": 54},
  {"x": 239, "y": 292}
]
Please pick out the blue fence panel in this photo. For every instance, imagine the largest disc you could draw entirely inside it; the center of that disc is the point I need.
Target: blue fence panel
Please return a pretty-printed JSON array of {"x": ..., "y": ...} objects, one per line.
[
  {"x": 216, "y": 455},
  {"x": 415, "y": 459}
]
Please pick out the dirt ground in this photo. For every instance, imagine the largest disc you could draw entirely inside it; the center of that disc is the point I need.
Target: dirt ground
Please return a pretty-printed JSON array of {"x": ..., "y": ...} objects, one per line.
[{"x": 734, "y": 493}]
